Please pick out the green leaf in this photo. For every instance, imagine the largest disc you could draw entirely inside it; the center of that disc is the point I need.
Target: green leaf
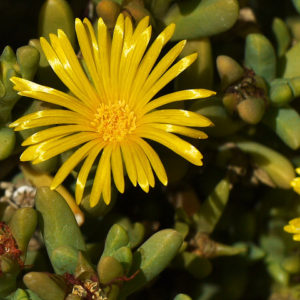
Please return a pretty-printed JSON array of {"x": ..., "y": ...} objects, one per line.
[
  {"x": 7, "y": 141},
  {"x": 182, "y": 297},
  {"x": 260, "y": 56},
  {"x": 282, "y": 35},
  {"x": 197, "y": 19},
  {"x": 151, "y": 258},
  {"x": 117, "y": 237},
  {"x": 278, "y": 167},
  {"x": 54, "y": 15},
  {"x": 58, "y": 224},
  {"x": 45, "y": 285},
  {"x": 211, "y": 210},
  {"x": 23, "y": 225},
  {"x": 285, "y": 122}
]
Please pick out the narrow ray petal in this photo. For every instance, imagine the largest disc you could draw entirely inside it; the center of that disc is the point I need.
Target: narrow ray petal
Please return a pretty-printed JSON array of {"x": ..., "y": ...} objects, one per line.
[
  {"x": 49, "y": 117},
  {"x": 32, "y": 152},
  {"x": 75, "y": 65},
  {"x": 190, "y": 132},
  {"x": 160, "y": 69},
  {"x": 154, "y": 160},
  {"x": 141, "y": 26},
  {"x": 117, "y": 168},
  {"x": 73, "y": 69},
  {"x": 85, "y": 170},
  {"x": 176, "y": 144},
  {"x": 129, "y": 164},
  {"x": 30, "y": 89},
  {"x": 149, "y": 60},
  {"x": 141, "y": 45},
  {"x": 58, "y": 68},
  {"x": 107, "y": 185},
  {"x": 173, "y": 72},
  {"x": 86, "y": 47},
  {"x": 104, "y": 45},
  {"x": 116, "y": 49},
  {"x": 103, "y": 171},
  {"x": 141, "y": 174},
  {"x": 49, "y": 133},
  {"x": 144, "y": 162},
  {"x": 177, "y": 117},
  {"x": 71, "y": 163},
  {"x": 176, "y": 96},
  {"x": 59, "y": 146},
  {"x": 96, "y": 59}
]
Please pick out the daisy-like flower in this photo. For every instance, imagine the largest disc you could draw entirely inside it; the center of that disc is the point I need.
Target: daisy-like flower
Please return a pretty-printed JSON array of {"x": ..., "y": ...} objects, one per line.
[
  {"x": 111, "y": 114},
  {"x": 294, "y": 228}
]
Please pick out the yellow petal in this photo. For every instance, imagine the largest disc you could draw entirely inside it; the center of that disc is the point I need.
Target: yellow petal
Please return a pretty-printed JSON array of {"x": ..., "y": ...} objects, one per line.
[
  {"x": 176, "y": 144},
  {"x": 150, "y": 59},
  {"x": 296, "y": 237},
  {"x": 154, "y": 160},
  {"x": 103, "y": 171},
  {"x": 30, "y": 89},
  {"x": 177, "y": 96},
  {"x": 289, "y": 229},
  {"x": 160, "y": 69},
  {"x": 72, "y": 162},
  {"x": 85, "y": 170},
  {"x": 49, "y": 133},
  {"x": 144, "y": 162},
  {"x": 61, "y": 145},
  {"x": 177, "y": 117},
  {"x": 142, "y": 25},
  {"x": 86, "y": 46},
  {"x": 190, "y": 132},
  {"x": 104, "y": 45},
  {"x": 49, "y": 117},
  {"x": 295, "y": 222},
  {"x": 58, "y": 68},
  {"x": 117, "y": 169},
  {"x": 130, "y": 72},
  {"x": 173, "y": 72},
  {"x": 141, "y": 174},
  {"x": 129, "y": 163},
  {"x": 71, "y": 65},
  {"x": 34, "y": 151},
  {"x": 99, "y": 83},
  {"x": 116, "y": 49}
]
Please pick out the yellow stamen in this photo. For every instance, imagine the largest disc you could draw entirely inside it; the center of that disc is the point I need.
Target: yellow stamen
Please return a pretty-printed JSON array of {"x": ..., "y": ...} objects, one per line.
[{"x": 114, "y": 121}]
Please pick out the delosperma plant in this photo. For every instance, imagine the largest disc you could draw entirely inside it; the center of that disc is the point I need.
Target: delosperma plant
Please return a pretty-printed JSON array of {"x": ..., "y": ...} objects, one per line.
[{"x": 150, "y": 149}]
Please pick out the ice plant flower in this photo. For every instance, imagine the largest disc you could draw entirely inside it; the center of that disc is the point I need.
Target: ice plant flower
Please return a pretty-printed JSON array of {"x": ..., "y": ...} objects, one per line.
[
  {"x": 294, "y": 228},
  {"x": 110, "y": 109}
]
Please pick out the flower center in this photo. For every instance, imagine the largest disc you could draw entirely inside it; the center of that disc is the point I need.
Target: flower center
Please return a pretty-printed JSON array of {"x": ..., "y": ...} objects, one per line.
[{"x": 114, "y": 121}]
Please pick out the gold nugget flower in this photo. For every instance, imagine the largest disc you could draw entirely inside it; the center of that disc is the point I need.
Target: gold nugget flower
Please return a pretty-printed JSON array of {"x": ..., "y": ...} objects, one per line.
[{"x": 111, "y": 114}]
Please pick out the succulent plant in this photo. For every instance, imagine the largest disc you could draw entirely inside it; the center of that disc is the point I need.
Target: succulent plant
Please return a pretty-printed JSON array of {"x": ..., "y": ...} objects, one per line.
[{"x": 219, "y": 231}]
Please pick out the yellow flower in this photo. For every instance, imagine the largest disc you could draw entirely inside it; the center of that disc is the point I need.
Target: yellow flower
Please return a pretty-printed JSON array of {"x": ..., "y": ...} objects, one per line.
[
  {"x": 294, "y": 228},
  {"x": 296, "y": 182},
  {"x": 111, "y": 114}
]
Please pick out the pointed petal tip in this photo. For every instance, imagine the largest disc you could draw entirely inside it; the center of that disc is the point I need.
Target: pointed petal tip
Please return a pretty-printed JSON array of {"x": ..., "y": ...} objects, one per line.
[
  {"x": 14, "y": 79},
  {"x": 93, "y": 203}
]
